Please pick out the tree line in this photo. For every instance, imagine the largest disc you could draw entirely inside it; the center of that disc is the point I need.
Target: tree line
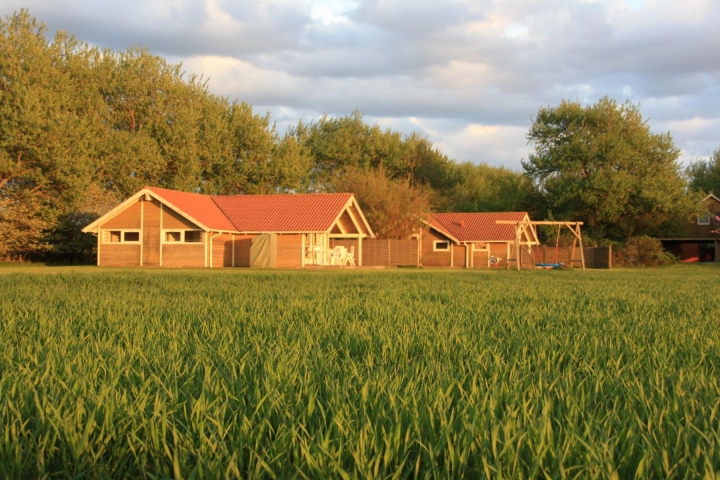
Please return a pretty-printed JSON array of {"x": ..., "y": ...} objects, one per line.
[{"x": 82, "y": 128}]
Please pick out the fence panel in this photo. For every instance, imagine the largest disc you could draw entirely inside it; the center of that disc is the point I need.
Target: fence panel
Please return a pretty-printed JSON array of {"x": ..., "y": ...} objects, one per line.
[{"x": 389, "y": 253}]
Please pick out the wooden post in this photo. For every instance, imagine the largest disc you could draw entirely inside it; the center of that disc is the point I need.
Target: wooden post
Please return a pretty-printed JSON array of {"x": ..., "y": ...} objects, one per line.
[
  {"x": 517, "y": 246},
  {"x": 162, "y": 210},
  {"x": 359, "y": 250},
  {"x": 418, "y": 249},
  {"x": 582, "y": 251},
  {"x": 142, "y": 228}
]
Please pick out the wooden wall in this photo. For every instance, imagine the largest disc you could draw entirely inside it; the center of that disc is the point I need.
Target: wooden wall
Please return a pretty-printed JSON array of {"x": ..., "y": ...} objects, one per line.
[
  {"x": 480, "y": 258},
  {"x": 150, "y": 218},
  {"x": 172, "y": 220},
  {"x": 130, "y": 218},
  {"x": 222, "y": 253},
  {"x": 289, "y": 251},
  {"x": 499, "y": 250},
  {"x": 151, "y": 234},
  {"x": 428, "y": 258},
  {"x": 119, "y": 255},
  {"x": 458, "y": 256},
  {"x": 357, "y": 216},
  {"x": 242, "y": 250},
  {"x": 184, "y": 255},
  {"x": 705, "y": 231},
  {"x": 347, "y": 223}
]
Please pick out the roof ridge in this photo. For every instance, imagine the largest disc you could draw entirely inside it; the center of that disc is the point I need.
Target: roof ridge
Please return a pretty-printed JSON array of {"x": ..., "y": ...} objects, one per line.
[{"x": 282, "y": 194}]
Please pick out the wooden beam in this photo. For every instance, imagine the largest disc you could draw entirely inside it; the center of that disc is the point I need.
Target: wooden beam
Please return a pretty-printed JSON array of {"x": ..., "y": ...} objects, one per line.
[
  {"x": 582, "y": 250},
  {"x": 353, "y": 219}
]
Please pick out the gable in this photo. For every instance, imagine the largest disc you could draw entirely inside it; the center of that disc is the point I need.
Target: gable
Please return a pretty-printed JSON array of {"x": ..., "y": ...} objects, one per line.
[
  {"x": 173, "y": 220},
  {"x": 346, "y": 223},
  {"x": 129, "y": 217},
  {"x": 712, "y": 203}
]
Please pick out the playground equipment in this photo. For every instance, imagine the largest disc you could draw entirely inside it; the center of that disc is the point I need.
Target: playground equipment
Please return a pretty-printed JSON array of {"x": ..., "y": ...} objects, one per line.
[{"x": 522, "y": 228}]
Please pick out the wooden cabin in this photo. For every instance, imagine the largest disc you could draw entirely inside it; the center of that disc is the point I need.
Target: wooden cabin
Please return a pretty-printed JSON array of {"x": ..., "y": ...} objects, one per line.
[
  {"x": 701, "y": 240},
  {"x": 158, "y": 227},
  {"x": 472, "y": 240}
]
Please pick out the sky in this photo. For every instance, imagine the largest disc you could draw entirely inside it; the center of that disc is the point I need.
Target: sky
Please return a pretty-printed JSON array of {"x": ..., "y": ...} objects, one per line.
[{"x": 470, "y": 75}]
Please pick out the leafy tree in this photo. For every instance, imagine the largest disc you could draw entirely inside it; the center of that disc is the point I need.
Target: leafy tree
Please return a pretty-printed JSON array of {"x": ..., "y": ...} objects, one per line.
[
  {"x": 601, "y": 164},
  {"x": 48, "y": 131},
  {"x": 483, "y": 188},
  {"x": 394, "y": 207},
  {"x": 74, "y": 119},
  {"x": 705, "y": 174}
]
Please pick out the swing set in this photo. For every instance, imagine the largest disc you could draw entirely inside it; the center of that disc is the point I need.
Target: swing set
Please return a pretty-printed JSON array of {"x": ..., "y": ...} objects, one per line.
[{"x": 522, "y": 227}]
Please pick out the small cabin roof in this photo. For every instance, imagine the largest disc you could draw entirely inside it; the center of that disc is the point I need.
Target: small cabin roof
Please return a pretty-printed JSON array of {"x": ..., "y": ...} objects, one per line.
[{"x": 477, "y": 226}]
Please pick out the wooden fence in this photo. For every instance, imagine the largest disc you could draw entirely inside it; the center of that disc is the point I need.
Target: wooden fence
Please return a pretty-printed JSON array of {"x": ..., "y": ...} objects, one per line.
[
  {"x": 598, "y": 257},
  {"x": 390, "y": 253}
]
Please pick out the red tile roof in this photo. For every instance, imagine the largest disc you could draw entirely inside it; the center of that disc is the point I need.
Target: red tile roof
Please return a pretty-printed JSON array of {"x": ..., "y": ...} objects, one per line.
[
  {"x": 477, "y": 227},
  {"x": 314, "y": 212},
  {"x": 202, "y": 208},
  {"x": 260, "y": 213}
]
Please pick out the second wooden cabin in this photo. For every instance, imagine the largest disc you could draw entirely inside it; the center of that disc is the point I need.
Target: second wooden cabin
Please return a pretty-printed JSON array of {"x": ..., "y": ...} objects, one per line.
[{"x": 473, "y": 240}]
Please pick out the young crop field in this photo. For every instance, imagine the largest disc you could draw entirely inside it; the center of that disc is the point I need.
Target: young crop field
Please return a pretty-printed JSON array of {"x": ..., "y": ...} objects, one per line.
[{"x": 111, "y": 373}]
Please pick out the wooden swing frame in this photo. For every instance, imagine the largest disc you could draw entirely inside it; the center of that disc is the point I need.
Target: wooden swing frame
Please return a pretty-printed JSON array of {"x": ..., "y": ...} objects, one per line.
[{"x": 522, "y": 227}]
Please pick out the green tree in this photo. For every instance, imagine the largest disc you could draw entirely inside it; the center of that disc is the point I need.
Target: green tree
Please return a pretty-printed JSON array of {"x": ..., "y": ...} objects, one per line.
[
  {"x": 48, "y": 131},
  {"x": 601, "y": 164},
  {"x": 483, "y": 188},
  {"x": 394, "y": 207},
  {"x": 705, "y": 174}
]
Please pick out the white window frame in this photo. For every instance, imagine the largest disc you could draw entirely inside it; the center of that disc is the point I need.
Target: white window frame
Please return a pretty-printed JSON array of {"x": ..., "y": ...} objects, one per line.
[
  {"x": 106, "y": 231},
  {"x": 704, "y": 219},
  {"x": 435, "y": 243},
  {"x": 182, "y": 232}
]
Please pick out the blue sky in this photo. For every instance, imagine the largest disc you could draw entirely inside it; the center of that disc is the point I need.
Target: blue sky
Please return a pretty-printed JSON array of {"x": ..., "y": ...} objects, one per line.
[{"x": 470, "y": 75}]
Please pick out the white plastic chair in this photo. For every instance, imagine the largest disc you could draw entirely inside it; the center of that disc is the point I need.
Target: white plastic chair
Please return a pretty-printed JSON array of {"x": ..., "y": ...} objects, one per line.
[
  {"x": 349, "y": 258},
  {"x": 337, "y": 256}
]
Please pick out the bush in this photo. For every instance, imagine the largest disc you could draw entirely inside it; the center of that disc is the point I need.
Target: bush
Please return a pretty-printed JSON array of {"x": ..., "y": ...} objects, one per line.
[{"x": 642, "y": 251}]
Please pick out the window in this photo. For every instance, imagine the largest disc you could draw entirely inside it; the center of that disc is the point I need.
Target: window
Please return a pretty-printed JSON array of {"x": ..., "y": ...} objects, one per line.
[
  {"x": 193, "y": 236},
  {"x": 173, "y": 237},
  {"x": 704, "y": 219},
  {"x": 121, "y": 236},
  {"x": 441, "y": 246},
  {"x": 182, "y": 236}
]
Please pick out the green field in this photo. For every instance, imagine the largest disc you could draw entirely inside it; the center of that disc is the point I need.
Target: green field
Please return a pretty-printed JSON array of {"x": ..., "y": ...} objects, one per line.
[{"x": 359, "y": 374}]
